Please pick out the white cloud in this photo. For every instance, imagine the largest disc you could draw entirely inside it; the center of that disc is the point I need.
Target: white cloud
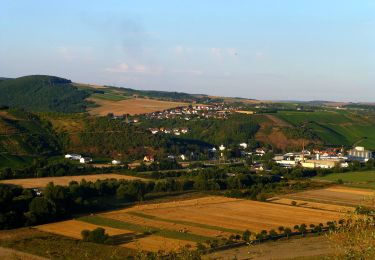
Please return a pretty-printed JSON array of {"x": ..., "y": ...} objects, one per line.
[
  {"x": 223, "y": 52},
  {"x": 135, "y": 69},
  {"x": 259, "y": 55}
]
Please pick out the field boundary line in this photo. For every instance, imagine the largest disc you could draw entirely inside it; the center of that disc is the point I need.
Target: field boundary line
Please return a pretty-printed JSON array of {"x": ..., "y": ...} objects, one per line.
[{"x": 183, "y": 222}]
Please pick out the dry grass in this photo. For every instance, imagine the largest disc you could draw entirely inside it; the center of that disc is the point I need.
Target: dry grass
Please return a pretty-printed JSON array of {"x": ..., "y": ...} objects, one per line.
[
  {"x": 336, "y": 195},
  {"x": 42, "y": 182},
  {"x": 157, "y": 243},
  {"x": 73, "y": 228},
  {"x": 228, "y": 213},
  {"x": 313, "y": 205},
  {"x": 133, "y": 106}
]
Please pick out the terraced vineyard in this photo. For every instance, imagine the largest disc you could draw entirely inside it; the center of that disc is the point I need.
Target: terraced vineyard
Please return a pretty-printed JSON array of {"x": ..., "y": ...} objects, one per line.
[{"x": 336, "y": 127}]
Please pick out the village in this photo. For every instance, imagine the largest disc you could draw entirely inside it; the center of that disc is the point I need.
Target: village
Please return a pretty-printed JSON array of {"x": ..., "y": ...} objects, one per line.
[{"x": 315, "y": 159}]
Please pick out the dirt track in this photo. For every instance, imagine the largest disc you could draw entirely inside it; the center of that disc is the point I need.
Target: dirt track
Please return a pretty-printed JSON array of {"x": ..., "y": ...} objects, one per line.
[{"x": 42, "y": 182}]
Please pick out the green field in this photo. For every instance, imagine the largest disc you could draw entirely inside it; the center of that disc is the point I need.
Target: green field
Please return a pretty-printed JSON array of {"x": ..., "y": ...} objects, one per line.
[
  {"x": 365, "y": 179},
  {"x": 109, "y": 96},
  {"x": 141, "y": 229},
  {"x": 336, "y": 127}
]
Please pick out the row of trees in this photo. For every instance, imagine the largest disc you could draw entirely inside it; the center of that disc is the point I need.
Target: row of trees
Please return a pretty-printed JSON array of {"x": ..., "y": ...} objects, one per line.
[{"x": 19, "y": 206}]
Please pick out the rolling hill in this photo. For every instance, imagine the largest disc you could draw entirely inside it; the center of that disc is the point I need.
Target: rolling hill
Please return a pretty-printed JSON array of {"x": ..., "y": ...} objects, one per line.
[{"x": 43, "y": 93}]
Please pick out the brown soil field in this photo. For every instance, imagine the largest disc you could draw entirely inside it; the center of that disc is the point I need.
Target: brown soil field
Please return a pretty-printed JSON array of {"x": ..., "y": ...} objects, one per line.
[
  {"x": 42, "y": 182},
  {"x": 313, "y": 205},
  {"x": 229, "y": 213},
  {"x": 302, "y": 248},
  {"x": 7, "y": 253},
  {"x": 156, "y": 243},
  {"x": 271, "y": 132},
  {"x": 337, "y": 195},
  {"x": 73, "y": 228},
  {"x": 133, "y": 106}
]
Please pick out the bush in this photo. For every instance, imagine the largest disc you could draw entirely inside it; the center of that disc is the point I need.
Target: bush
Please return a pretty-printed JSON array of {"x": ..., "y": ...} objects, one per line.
[{"x": 98, "y": 235}]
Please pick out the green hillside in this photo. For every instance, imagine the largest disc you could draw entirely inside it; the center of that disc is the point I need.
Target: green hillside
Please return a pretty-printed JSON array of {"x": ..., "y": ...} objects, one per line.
[
  {"x": 43, "y": 93},
  {"x": 23, "y": 136},
  {"x": 336, "y": 127}
]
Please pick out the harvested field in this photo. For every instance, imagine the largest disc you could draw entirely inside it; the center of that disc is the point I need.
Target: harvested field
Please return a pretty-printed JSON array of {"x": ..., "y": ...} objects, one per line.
[
  {"x": 73, "y": 228},
  {"x": 313, "y": 205},
  {"x": 157, "y": 243},
  {"x": 339, "y": 195},
  {"x": 134, "y": 106},
  {"x": 170, "y": 225},
  {"x": 42, "y": 182},
  {"x": 223, "y": 213}
]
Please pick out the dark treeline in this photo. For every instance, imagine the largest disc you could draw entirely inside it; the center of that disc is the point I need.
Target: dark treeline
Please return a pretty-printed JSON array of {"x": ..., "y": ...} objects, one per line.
[
  {"x": 42, "y": 168},
  {"x": 20, "y": 207},
  {"x": 159, "y": 166}
]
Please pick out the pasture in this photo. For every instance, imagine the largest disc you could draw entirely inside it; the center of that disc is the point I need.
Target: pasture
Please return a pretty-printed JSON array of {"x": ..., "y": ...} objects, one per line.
[
  {"x": 351, "y": 178},
  {"x": 64, "y": 180},
  {"x": 132, "y": 106}
]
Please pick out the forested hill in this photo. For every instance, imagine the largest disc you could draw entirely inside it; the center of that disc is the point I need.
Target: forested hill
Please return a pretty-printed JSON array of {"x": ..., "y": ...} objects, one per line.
[{"x": 43, "y": 93}]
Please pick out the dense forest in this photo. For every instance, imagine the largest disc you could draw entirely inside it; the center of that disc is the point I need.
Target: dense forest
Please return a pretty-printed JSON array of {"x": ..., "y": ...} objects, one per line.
[{"x": 43, "y": 93}]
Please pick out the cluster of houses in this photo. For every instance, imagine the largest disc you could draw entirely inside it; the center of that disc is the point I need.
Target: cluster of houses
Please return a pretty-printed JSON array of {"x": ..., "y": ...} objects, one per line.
[
  {"x": 190, "y": 112},
  {"x": 78, "y": 157},
  {"x": 326, "y": 159},
  {"x": 175, "y": 131},
  {"x": 85, "y": 160}
]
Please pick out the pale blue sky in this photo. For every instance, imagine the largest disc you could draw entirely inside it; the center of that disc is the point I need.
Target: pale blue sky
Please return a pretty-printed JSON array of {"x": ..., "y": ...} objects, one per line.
[{"x": 263, "y": 49}]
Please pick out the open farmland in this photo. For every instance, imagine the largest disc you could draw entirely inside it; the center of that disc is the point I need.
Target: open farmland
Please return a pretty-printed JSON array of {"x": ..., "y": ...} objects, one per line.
[
  {"x": 133, "y": 106},
  {"x": 42, "y": 182},
  {"x": 207, "y": 218},
  {"x": 340, "y": 195},
  {"x": 156, "y": 243},
  {"x": 73, "y": 228}
]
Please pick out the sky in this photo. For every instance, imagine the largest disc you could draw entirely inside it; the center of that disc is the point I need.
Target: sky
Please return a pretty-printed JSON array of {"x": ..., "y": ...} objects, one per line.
[{"x": 261, "y": 49}]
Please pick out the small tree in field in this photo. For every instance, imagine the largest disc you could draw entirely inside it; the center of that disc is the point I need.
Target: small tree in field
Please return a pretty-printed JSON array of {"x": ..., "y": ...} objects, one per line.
[
  {"x": 296, "y": 227},
  {"x": 281, "y": 229},
  {"x": 287, "y": 232},
  {"x": 246, "y": 235},
  {"x": 302, "y": 228}
]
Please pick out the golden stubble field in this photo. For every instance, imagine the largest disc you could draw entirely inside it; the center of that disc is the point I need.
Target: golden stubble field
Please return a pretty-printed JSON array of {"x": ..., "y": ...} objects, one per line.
[
  {"x": 214, "y": 217},
  {"x": 133, "y": 106},
  {"x": 224, "y": 212},
  {"x": 338, "y": 195},
  {"x": 64, "y": 180}
]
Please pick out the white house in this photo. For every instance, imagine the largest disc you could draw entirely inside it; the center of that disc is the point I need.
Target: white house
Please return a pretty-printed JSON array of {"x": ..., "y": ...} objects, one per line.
[
  {"x": 85, "y": 160},
  {"x": 243, "y": 145},
  {"x": 116, "y": 162},
  {"x": 73, "y": 156}
]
